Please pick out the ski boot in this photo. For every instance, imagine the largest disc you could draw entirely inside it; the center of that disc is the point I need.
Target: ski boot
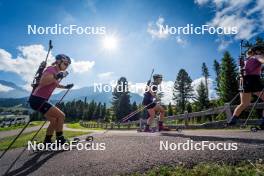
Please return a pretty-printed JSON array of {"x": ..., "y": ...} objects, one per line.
[
  {"x": 162, "y": 127},
  {"x": 147, "y": 129},
  {"x": 60, "y": 140},
  {"x": 233, "y": 122}
]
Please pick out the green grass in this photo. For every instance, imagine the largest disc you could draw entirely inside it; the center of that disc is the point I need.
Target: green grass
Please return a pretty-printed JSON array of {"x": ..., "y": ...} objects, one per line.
[
  {"x": 75, "y": 126},
  {"x": 14, "y": 127},
  {"x": 24, "y": 138},
  {"x": 245, "y": 169},
  {"x": 78, "y": 126}
]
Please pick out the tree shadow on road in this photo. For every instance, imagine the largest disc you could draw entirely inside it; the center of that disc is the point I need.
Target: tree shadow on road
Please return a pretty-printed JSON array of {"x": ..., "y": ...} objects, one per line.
[{"x": 33, "y": 163}]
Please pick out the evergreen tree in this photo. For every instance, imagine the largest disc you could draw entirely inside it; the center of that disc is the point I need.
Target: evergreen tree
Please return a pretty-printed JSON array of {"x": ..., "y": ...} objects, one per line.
[
  {"x": 134, "y": 107},
  {"x": 91, "y": 110},
  {"x": 202, "y": 97},
  {"x": 170, "y": 110},
  {"x": 228, "y": 85},
  {"x": 97, "y": 111},
  {"x": 121, "y": 99},
  {"x": 182, "y": 90},
  {"x": 189, "y": 107},
  {"x": 217, "y": 70},
  {"x": 107, "y": 117},
  {"x": 206, "y": 75},
  {"x": 103, "y": 112}
]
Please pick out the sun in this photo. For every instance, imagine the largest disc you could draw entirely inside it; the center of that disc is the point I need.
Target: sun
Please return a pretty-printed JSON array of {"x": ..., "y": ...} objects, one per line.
[{"x": 110, "y": 42}]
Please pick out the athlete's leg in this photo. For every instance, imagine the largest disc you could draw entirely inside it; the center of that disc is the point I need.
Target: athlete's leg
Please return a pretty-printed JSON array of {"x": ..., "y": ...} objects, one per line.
[
  {"x": 245, "y": 99},
  {"x": 160, "y": 109},
  {"x": 56, "y": 118},
  {"x": 151, "y": 115}
]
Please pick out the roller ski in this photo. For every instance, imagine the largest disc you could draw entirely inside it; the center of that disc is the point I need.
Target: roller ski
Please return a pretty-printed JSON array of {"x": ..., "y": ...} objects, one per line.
[
  {"x": 147, "y": 129},
  {"x": 232, "y": 123},
  {"x": 161, "y": 127},
  {"x": 256, "y": 128}
]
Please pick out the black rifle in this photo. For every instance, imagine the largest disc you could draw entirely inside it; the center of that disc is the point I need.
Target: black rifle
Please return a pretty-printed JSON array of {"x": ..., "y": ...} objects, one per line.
[
  {"x": 241, "y": 67},
  {"x": 40, "y": 70}
]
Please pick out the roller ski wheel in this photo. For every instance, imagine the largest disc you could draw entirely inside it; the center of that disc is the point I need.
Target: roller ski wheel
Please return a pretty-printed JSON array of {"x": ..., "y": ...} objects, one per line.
[
  {"x": 254, "y": 129},
  {"x": 89, "y": 139},
  {"x": 179, "y": 130}
]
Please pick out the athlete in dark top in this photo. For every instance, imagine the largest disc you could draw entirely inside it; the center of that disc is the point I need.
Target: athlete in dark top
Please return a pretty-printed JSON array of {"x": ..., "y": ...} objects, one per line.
[
  {"x": 150, "y": 101},
  {"x": 251, "y": 83}
]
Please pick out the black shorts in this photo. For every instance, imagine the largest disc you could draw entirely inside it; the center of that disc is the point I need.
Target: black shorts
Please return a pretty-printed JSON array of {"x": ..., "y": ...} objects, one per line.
[
  {"x": 149, "y": 101},
  {"x": 252, "y": 83},
  {"x": 39, "y": 104}
]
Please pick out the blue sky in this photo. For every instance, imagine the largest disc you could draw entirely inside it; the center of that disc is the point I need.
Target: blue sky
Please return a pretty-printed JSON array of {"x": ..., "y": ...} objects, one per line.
[{"x": 130, "y": 21}]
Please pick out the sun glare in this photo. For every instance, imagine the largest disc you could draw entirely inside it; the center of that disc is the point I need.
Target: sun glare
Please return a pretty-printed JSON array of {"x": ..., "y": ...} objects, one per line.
[{"x": 110, "y": 42}]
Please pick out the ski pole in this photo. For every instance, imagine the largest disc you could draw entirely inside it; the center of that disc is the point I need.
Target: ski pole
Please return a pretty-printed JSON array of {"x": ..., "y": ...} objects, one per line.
[
  {"x": 135, "y": 112},
  {"x": 14, "y": 140},
  {"x": 13, "y": 163},
  {"x": 36, "y": 78},
  {"x": 253, "y": 107}
]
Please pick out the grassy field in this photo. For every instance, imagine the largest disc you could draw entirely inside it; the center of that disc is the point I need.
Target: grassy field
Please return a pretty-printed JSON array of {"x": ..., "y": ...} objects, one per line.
[
  {"x": 14, "y": 127},
  {"x": 77, "y": 125},
  {"x": 23, "y": 139},
  {"x": 245, "y": 169}
]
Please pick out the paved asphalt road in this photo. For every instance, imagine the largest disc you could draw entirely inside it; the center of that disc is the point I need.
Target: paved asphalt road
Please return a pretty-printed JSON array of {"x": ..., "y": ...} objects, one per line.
[
  {"x": 129, "y": 152},
  {"x": 15, "y": 132}
]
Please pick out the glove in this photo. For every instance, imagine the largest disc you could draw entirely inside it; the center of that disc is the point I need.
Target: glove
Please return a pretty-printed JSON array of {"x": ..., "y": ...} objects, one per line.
[
  {"x": 68, "y": 86},
  {"x": 61, "y": 74}
]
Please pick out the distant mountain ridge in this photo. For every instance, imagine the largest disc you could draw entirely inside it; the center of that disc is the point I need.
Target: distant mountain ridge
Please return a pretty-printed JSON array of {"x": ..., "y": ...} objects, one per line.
[
  {"x": 15, "y": 92},
  {"x": 19, "y": 96}
]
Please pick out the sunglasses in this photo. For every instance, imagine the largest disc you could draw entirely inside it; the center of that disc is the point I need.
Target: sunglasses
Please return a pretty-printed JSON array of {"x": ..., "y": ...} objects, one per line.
[{"x": 66, "y": 64}]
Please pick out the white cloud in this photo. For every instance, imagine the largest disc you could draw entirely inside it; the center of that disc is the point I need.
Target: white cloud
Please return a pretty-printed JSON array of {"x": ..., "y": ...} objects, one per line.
[
  {"x": 82, "y": 66},
  {"x": 105, "y": 75},
  {"x": 154, "y": 29},
  {"x": 223, "y": 44},
  {"x": 25, "y": 64},
  {"x": 201, "y": 2},
  {"x": 4, "y": 88},
  {"x": 181, "y": 41},
  {"x": 246, "y": 15},
  {"x": 28, "y": 60},
  {"x": 106, "y": 78}
]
